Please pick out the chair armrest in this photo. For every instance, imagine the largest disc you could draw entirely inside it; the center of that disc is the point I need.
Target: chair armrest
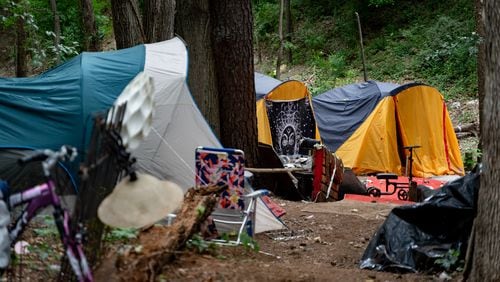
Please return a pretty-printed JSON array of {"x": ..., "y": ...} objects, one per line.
[{"x": 257, "y": 193}]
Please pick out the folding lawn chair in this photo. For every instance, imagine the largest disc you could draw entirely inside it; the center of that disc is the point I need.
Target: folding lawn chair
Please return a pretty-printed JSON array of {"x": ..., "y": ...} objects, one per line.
[{"x": 235, "y": 212}]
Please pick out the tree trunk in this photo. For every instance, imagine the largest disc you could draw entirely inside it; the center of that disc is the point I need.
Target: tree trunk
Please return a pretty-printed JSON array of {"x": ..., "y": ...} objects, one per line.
[
  {"x": 57, "y": 30},
  {"x": 486, "y": 252},
  {"x": 126, "y": 23},
  {"x": 281, "y": 43},
  {"x": 159, "y": 20},
  {"x": 192, "y": 23},
  {"x": 21, "y": 64},
  {"x": 480, "y": 58},
  {"x": 233, "y": 52},
  {"x": 289, "y": 29},
  {"x": 91, "y": 38}
]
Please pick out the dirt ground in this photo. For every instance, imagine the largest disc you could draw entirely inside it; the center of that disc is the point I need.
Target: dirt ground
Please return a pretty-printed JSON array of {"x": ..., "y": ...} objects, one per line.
[{"x": 330, "y": 240}]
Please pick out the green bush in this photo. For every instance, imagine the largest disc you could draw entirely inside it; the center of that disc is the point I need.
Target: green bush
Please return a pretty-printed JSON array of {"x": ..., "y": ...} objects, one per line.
[{"x": 427, "y": 41}]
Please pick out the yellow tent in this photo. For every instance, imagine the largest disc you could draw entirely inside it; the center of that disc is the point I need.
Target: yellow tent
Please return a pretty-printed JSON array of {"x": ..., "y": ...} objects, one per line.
[
  {"x": 412, "y": 114},
  {"x": 287, "y": 124}
]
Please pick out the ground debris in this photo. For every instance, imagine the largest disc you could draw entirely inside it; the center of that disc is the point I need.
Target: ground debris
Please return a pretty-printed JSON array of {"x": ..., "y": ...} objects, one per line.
[{"x": 159, "y": 244}]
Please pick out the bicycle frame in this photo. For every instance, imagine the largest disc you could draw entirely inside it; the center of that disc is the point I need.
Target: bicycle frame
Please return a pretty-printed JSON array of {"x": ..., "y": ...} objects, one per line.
[{"x": 37, "y": 198}]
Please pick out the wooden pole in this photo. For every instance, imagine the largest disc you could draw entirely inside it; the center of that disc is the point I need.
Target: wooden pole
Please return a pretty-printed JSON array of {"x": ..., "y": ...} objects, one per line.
[{"x": 362, "y": 48}]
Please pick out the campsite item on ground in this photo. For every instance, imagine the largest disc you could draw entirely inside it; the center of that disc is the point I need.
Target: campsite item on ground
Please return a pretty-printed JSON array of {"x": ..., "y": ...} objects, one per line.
[
  {"x": 351, "y": 184},
  {"x": 280, "y": 183},
  {"x": 414, "y": 236},
  {"x": 140, "y": 203},
  {"x": 328, "y": 172},
  {"x": 367, "y": 124},
  {"x": 32, "y": 200},
  {"x": 406, "y": 190},
  {"x": 148, "y": 261},
  {"x": 222, "y": 167},
  {"x": 138, "y": 95},
  {"x": 226, "y": 167},
  {"x": 425, "y": 187}
]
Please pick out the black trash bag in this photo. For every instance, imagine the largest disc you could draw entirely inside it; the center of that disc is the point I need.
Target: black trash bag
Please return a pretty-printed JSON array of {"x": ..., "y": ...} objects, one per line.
[{"x": 414, "y": 236}]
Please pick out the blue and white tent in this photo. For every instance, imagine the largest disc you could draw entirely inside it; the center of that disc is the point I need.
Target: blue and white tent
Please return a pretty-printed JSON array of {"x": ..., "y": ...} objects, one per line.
[{"x": 56, "y": 107}]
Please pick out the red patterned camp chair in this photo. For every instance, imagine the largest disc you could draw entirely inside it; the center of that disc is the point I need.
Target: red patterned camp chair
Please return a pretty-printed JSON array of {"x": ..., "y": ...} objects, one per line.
[{"x": 236, "y": 209}]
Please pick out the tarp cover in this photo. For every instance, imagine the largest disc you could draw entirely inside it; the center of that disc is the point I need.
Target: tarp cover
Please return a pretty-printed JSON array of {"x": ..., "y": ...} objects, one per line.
[
  {"x": 414, "y": 236},
  {"x": 56, "y": 107},
  {"x": 340, "y": 111},
  {"x": 264, "y": 84}
]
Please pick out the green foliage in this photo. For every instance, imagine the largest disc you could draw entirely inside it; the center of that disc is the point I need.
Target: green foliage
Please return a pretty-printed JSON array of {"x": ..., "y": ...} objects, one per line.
[
  {"x": 102, "y": 12},
  {"x": 47, "y": 228},
  {"x": 249, "y": 242},
  {"x": 39, "y": 26},
  {"x": 471, "y": 158},
  {"x": 379, "y": 3},
  {"x": 121, "y": 234},
  {"x": 43, "y": 250},
  {"x": 200, "y": 211},
  {"x": 450, "y": 261},
  {"x": 201, "y": 246},
  {"x": 427, "y": 41}
]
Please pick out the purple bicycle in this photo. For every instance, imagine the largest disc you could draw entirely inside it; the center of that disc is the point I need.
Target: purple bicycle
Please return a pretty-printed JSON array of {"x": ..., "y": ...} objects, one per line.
[{"x": 44, "y": 195}]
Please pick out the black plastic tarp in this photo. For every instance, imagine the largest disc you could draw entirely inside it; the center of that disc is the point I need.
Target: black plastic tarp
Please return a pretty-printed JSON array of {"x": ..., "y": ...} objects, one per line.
[{"x": 414, "y": 236}]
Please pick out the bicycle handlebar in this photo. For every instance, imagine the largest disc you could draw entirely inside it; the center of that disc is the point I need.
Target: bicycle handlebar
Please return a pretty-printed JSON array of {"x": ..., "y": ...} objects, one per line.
[{"x": 49, "y": 157}]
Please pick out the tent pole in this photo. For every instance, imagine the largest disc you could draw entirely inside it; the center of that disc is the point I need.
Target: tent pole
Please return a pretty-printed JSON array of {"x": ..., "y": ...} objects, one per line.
[{"x": 362, "y": 48}]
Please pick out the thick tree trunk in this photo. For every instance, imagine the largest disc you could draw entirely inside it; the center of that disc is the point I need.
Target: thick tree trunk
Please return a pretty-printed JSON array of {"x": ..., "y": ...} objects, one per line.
[
  {"x": 21, "y": 63},
  {"x": 192, "y": 23},
  {"x": 233, "y": 51},
  {"x": 486, "y": 252},
  {"x": 91, "y": 38},
  {"x": 127, "y": 23},
  {"x": 159, "y": 20},
  {"x": 57, "y": 30}
]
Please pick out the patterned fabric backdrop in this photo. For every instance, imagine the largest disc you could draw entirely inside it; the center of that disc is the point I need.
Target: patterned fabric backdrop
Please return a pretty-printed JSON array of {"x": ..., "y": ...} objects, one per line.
[{"x": 290, "y": 121}]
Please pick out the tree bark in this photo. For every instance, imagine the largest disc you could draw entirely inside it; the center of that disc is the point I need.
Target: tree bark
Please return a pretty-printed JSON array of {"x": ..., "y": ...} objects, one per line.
[
  {"x": 127, "y": 23},
  {"x": 192, "y": 23},
  {"x": 480, "y": 57},
  {"x": 233, "y": 52},
  {"x": 281, "y": 43},
  {"x": 91, "y": 40},
  {"x": 486, "y": 251},
  {"x": 159, "y": 20},
  {"x": 21, "y": 63},
  {"x": 57, "y": 30},
  {"x": 289, "y": 29}
]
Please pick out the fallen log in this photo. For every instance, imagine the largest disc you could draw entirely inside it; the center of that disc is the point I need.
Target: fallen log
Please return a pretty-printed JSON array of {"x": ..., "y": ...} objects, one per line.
[
  {"x": 471, "y": 127},
  {"x": 462, "y": 135},
  {"x": 158, "y": 245}
]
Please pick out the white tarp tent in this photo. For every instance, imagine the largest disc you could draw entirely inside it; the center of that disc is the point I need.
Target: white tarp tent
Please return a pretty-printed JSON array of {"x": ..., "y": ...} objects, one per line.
[{"x": 178, "y": 126}]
